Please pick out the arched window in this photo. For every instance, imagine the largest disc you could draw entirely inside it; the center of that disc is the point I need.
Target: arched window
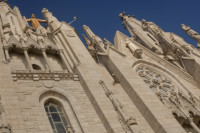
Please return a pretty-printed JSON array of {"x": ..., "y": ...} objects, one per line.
[{"x": 57, "y": 118}]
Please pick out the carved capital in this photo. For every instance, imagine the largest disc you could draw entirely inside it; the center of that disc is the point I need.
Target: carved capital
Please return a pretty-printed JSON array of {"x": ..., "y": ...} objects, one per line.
[
  {"x": 43, "y": 49},
  {"x": 6, "y": 47},
  {"x": 25, "y": 48}
]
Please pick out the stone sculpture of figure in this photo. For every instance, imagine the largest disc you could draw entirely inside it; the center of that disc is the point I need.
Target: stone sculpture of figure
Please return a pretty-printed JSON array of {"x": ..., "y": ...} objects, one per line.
[
  {"x": 42, "y": 31},
  {"x": 191, "y": 33},
  {"x": 137, "y": 52},
  {"x": 49, "y": 16},
  {"x": 151, "y": 27},
  {"x": 52, "y": 21},
  {"x": 35, "y": 22}
]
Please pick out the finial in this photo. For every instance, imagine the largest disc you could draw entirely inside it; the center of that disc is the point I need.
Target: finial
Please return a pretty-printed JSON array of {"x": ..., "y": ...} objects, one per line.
[
  {"x": 85, "y": 27},
  {"x": 74, "y": 19},
  {"x": 122, "y": 15}
]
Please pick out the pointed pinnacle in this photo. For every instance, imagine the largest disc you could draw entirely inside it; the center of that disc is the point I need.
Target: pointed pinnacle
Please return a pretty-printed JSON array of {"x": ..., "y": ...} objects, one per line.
[
  {"x": 85, "y": 27},
  {"x": 88, "y": 31},
  {"x": 87, "y": 41}
]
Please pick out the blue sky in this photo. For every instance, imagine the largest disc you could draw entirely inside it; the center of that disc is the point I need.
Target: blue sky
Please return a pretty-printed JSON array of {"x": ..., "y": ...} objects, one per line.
[{"x": 102, "y": 15}]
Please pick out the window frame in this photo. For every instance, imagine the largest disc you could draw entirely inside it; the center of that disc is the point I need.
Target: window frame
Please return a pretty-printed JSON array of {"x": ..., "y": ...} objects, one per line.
[{"x": 63, "y": 119}]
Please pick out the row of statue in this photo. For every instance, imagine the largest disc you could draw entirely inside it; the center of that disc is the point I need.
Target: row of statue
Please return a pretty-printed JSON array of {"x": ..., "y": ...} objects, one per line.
[
  {"x": 167, "y": 45},
  {"x": 191, "y": 33}
]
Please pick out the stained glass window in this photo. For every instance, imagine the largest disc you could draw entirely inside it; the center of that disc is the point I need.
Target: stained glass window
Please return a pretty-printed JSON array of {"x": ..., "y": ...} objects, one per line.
[{"x": 57, "y": 118}]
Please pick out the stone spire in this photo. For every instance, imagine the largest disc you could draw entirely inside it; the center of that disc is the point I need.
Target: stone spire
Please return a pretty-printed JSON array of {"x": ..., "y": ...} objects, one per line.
[
  {"x": 95, "y": 40},
  {"x": 87, "y": 41},
  {"x": 135, "y": 28},
  {"x": 88, "y": 31}
]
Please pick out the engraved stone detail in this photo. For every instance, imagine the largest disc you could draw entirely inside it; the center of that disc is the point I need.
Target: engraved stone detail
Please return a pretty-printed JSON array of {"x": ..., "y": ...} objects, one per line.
[
  {"x": 127, "y": 121},
  {"x": 60, "y": 75},
  {"x": 181, "y": 104}
]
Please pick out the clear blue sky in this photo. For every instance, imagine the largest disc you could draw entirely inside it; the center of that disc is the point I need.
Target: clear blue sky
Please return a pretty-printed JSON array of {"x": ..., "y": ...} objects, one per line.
[{"x": 102, "y": 15}]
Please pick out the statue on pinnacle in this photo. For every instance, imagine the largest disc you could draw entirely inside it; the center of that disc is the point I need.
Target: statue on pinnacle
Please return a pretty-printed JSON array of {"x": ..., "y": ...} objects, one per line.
[{"x": 191, "y": 33}]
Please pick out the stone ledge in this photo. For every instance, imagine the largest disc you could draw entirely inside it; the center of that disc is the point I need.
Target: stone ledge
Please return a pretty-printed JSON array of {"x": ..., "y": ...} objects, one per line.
[{"x": 43, "y": 75}]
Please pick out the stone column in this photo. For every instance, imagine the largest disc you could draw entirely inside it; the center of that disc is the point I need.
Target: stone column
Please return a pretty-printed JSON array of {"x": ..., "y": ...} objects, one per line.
[
  {"x": 46, "y": 59},
  {"x": 28, "y": 59},
  {"x": 7, "y": 53},
  {"x": 192, "y": 124},
  {"x": 60, "y": 52}
]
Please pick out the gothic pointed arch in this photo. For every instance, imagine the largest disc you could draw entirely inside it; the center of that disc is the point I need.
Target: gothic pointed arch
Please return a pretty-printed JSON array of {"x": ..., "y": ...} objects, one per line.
[
  {"x": 11, "y": 12},
  {"x": 31, "y": 43},
  {"x": 50, "y": 46},
  {"x": 14, "y": 43},
  {"x": 60, "y": 112}
]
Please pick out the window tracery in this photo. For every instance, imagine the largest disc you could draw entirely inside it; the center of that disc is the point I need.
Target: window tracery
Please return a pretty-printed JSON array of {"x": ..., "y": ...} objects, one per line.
[
  {"x": 57, "y": 118},
  {"x": 158, "y": 83},
  {"x": 181, "y": 103}
]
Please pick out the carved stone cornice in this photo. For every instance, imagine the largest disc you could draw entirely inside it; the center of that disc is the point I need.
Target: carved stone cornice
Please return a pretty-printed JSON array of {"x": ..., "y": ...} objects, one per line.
[{"x": 43, "y": 75}]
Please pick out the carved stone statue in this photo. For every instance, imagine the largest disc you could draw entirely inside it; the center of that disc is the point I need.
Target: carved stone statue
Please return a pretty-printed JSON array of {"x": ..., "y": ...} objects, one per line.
[
  {"x": 48, "y": 15},
  {"x": 137, "y": 52},
  {"x": 151, "y": 27},
  {"x": 35, "y": 22},
  {"x": 191, "y": 33},
  {"x": 52, "y": 21}
]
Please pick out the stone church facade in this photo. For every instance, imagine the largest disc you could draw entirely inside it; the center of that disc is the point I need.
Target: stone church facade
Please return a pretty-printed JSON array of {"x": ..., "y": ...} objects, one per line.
[{"x": 51, "y": 83}]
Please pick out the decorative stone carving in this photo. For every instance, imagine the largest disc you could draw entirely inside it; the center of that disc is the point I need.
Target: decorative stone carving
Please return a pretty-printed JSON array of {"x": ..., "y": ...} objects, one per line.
[
  {"x": 191, "y": 33},
  {"x": 137, "y": 52},
  {"x": 157, "y": 82},
  {"x": 48, "y": 16},
  {"x": 125, "y": 119},
  {"x": 35, "y": 22},
  {"x": 52, "y": 21},
  {"x": 42, "y": 31},
  {"x": 151, "y": 27},
  {"x": 43, "y": 75},
  {"x": 171, "y": 96},
  {"x": 107, "y": 43},
  {"x": 14, "y": 43}
]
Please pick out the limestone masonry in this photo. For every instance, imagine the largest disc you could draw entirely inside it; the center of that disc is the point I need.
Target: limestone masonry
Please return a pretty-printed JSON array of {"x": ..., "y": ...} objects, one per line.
[{"x": 51, "y": 83}]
